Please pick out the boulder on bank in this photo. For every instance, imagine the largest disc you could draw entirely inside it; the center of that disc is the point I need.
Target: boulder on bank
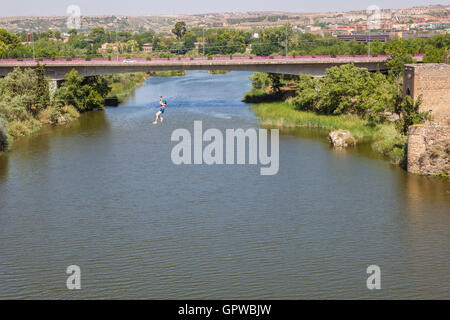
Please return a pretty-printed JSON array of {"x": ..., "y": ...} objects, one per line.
[
  {"x": 341, "y": 138},
  {"x": 63, "y": 119}
]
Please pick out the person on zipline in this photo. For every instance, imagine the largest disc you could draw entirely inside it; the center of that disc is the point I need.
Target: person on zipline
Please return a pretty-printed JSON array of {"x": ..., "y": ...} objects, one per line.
[{"x": 163, "y": 105}]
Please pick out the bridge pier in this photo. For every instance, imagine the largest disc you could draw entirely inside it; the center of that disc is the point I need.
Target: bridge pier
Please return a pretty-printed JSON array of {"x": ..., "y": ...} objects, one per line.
[{"x": 53, "y": 85}]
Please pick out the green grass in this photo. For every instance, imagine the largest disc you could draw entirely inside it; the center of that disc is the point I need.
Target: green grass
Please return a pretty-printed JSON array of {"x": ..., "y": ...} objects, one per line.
[
  {"x": 384, "y": 138},
  {"x": 282, "y": 114}
]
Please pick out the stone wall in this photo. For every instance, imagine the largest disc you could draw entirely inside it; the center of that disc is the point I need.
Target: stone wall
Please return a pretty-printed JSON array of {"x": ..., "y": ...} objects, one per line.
[
  {"x": 432, "y": 82},
  {"x": 429, "y": 149}
]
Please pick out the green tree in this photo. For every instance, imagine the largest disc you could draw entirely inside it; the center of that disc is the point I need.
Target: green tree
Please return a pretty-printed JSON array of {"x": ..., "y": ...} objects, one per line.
[
  {"x": 409, "y": 114},
  {"x": 189, "y": 40},
  {"x": 307, "y": 93},
  {"x": 9, "y": 39},
  {"x": 98, "y": 35},
  {"x": 376, "y": 48},
  {"x": 41, "y": 90},
  {"x": 8, "y": 43},
  {"x": 271, "y": 40},
  {"x": 73, "y": 32},
  {"x": 2, "y": 49},
  {"x": 398, "y": 56},
  {"x": 276, "y": 81},
  {"x": 433, "y": 54},
  {"x": 179, "y": 30},
  {"x": 84, "y": 94},
  {"x": 347, "y": 89},
  {"x": 260, "y": 80}
]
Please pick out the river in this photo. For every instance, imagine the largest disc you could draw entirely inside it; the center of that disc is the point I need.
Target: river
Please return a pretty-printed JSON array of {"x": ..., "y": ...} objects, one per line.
[{"x": 102, "y": 193}]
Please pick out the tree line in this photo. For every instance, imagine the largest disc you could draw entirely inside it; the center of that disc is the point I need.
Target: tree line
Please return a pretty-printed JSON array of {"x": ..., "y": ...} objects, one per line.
[
  {"x": 215, "y": 41},
  {"x": 26, "y": 102}
]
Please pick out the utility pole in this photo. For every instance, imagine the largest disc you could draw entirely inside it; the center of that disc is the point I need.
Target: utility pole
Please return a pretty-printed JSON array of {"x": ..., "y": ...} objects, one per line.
[
  {"x": 32, "y": 41},
  {"x": 31, "y": 38},
  {"x": 286, "y": 41},
  {"x": 117, "y": 48},
  {"x": 203, "y": 41}
]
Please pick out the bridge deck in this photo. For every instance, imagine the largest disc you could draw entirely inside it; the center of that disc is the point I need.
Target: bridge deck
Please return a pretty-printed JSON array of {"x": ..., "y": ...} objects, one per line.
[{"x": 56, "y": 69}]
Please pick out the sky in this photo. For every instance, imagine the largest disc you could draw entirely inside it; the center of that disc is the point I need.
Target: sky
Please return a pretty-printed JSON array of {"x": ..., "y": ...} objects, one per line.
[{"x": 151, "y": 7}]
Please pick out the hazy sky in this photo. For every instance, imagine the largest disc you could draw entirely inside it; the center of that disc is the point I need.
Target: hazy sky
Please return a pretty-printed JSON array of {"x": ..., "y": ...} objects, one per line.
[{"x": 143, "y": 7}]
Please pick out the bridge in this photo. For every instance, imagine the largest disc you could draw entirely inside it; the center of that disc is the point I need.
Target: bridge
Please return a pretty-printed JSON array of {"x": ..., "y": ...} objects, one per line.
[{"x": 312, "y": 65}]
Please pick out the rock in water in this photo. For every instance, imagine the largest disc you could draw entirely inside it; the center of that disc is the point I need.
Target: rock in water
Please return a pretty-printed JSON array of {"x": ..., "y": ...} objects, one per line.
[{"x": 341, "y": 138}]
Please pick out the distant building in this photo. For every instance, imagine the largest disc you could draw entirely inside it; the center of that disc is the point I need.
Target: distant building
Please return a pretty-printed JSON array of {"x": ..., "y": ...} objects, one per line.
[
  {"x": 311, "y": 29},
  {"x": 111, "y": 47},
  {"x": 198, "y": 45},
  {"x": 365, "y": 38},
  {"x": 147, "y": 47}
]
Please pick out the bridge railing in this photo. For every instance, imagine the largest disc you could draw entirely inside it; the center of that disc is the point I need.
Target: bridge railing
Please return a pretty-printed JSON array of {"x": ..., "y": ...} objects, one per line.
[{"x": 215, "y": 58}]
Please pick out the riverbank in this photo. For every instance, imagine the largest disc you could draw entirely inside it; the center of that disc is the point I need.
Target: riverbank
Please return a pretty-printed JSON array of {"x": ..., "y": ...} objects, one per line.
[
  {"x": 52, "y": 115},
  {"x": 123, "y": 86},
  {"x": 384, "y": 138}
]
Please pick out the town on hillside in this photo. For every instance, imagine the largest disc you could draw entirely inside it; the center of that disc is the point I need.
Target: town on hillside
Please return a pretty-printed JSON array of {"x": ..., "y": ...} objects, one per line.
[{"x": 405, "y": 22}]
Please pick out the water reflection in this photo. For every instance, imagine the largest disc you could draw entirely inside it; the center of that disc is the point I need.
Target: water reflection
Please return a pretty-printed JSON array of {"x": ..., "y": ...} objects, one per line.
[{"x": 4, "y": 163}]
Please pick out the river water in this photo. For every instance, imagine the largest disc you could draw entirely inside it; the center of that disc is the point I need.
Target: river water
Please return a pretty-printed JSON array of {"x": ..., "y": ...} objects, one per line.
[{"x": 102, "y": 193}]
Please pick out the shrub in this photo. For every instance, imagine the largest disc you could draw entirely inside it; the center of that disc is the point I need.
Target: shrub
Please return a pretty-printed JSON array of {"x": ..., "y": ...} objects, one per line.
[
  {"x": 390, "y": 143},
  {"x": 109, "y": 58},
  {"x": 49, "y": 115},
  {"x": 69, "y": 59},
  {"x": 84, "y": 94},
  {"x": 260, "y": 80},
  {"x": 25, "y": 127},
  {"x": 231, "y": 57},
  {"x": 5, "y": 139},
  {"x": 347, "y": 89},
  {"x": 209, "y": 57},
  {"x": 409, "y": 114},
  {"x": 148, "y": 59},
  {"x": 70, "y": 111},
  {"x": 258, "y": 96},
  {"x": 87, "y": 59}
]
